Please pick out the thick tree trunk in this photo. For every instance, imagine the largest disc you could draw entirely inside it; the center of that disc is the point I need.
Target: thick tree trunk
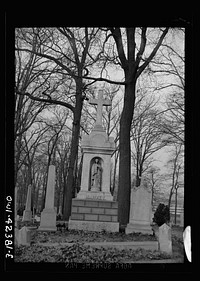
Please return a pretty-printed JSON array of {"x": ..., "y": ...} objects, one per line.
[
  {"x": 79, "y": 174},
  {"x": 68, "y": 188},
  {"x": 115, "y": 170},
  {"x": 124, "y": 155}
]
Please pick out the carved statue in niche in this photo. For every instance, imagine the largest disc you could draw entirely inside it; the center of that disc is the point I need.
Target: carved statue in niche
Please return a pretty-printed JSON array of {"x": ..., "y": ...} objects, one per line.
[{"x": 96, "y": 173}]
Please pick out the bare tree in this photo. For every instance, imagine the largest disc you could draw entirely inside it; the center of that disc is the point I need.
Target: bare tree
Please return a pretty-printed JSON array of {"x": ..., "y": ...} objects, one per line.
[
  {"x": 153, "y": 178},
  {"x": 68, "y": 49},
  {"x": 26, "y": 110},
  {"x": 131, "y": 49},
  {"x": 133, "y": 64},
  {"x": 170, "y": 73},
  {"x": 147, "y": 138},
  {"x": 176, "y": 169}
]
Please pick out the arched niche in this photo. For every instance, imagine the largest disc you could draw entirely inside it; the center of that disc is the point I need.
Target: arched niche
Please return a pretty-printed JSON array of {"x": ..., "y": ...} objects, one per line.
[{"x": 95, "y": 175}]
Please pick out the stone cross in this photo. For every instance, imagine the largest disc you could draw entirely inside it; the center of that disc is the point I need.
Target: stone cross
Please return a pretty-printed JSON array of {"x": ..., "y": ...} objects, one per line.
[{"x": 100, "y": 102}]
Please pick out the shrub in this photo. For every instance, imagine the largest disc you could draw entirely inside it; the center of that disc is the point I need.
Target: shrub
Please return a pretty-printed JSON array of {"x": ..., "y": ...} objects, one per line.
[{"x": 161, "y": 215}]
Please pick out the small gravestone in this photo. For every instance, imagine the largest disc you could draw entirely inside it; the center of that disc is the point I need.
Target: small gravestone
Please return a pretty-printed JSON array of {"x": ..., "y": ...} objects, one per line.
[
  {"x": 165, "y": 239},
  {"x": 140, "y": 210},
  {"x": 27, "y": 214},
  {"x": 23, "y": 236}
]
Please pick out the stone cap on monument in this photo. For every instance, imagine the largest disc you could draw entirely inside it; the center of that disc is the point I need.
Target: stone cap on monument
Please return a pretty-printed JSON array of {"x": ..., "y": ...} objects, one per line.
[{"x": 98, "y": 139}]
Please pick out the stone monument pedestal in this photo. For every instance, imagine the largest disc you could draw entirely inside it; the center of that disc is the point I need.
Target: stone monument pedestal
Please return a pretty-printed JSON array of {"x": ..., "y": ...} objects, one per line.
[
  {"x": 96, "y": 195},
  {"x": 94, "y": 215}
]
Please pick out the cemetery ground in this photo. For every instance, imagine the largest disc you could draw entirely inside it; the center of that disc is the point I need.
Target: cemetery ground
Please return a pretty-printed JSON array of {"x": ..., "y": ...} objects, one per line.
[{"x": 66, "y": 246}]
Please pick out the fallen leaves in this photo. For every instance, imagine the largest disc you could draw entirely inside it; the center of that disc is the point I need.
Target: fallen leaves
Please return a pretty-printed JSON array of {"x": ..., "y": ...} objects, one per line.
[
  {"x": 79, "y": 253},
  {"x": 73, "y": 236}
]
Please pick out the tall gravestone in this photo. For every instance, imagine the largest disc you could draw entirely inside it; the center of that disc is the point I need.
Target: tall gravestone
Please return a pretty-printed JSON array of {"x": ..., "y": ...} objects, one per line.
[
  {"x": 140, "y": 210},
  {"x": 48, "y": 215},
  {"x": 94, "y": 208},
  {"x": 27, "y": 214}
]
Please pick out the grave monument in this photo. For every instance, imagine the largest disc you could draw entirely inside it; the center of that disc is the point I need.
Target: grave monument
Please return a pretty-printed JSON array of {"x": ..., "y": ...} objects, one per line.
[
  {"x": 48, "y": 215},
  {"x": 94, "y": 208},
  {"x": 27, "y": 214},
  {"x": 140, "y": 210}
]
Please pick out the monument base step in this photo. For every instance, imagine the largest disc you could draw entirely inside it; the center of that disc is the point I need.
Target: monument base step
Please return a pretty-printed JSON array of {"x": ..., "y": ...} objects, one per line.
[
  {"x": 47, "y": 229},
  {"x": 93, "y": 225},
  {"x": 95, "y": 195},
  {"x": 134, "y": 227}
]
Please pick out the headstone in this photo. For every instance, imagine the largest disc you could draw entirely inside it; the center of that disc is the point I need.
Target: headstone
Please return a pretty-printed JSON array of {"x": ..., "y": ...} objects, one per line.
[
  {"x": 165, "y": 239},
  {"x": 48, "y": 215},
  {"x": 22, "y": 236},
  {"x": 94, "y": 208},
  {"x": 27, "y": 214},
  {"x": 140, "y": 210}
]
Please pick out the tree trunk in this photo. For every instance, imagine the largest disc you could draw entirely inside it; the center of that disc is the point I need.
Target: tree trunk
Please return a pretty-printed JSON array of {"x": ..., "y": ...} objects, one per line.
[
  {"x": 43, "y": 191},
  {"x": 176, "y": 203},
  {"x": 115, "y": 170},
  {"x": 170, "y": 197},
  {"x": 79, "y": 174},
  {"x": 68, "y": 188},
  {"x": 59, "y": 186},
  {"x": 125, "y": 155}
]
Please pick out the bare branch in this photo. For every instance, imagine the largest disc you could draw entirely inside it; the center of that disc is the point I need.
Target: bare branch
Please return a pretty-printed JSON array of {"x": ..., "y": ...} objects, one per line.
[
  {"x": 116, "y": 32},
  {"x": 144, "y": 65},
  {"x": 48, "y": 57},
  {"x": 51, "y": 101}
]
